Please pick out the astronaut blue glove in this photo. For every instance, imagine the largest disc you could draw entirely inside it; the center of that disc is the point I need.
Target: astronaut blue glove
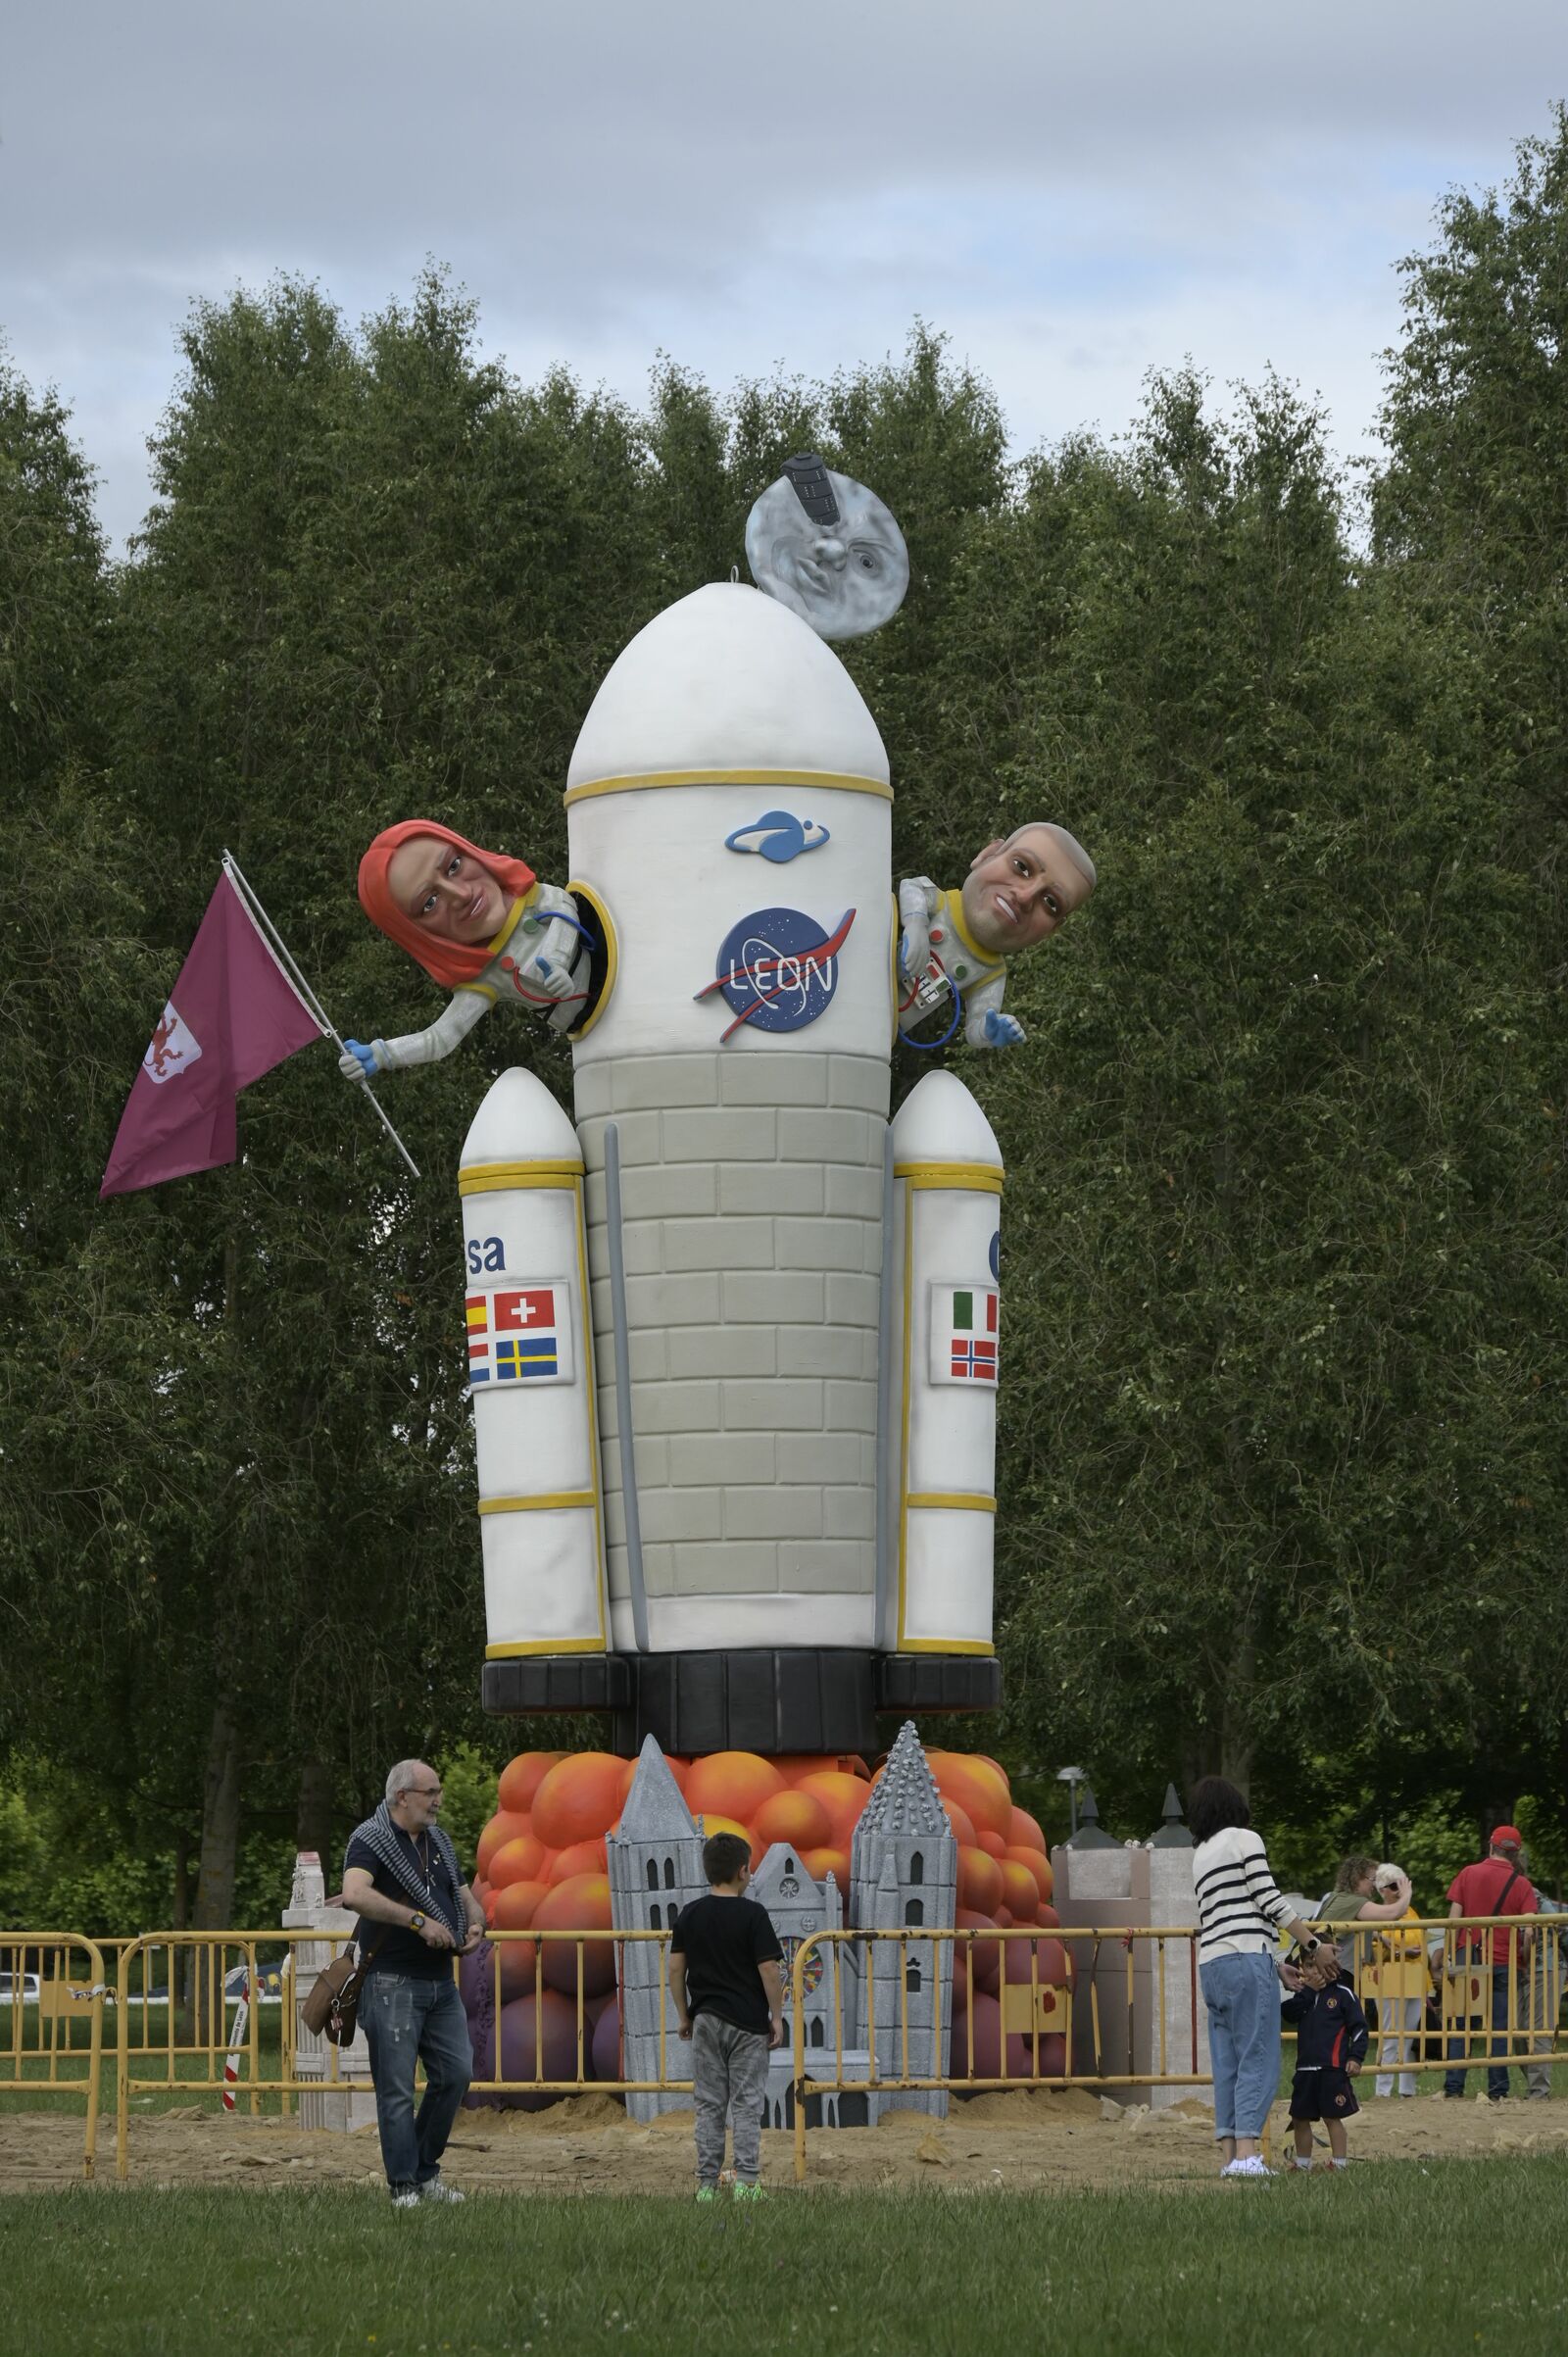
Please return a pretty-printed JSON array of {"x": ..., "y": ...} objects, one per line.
[
  {"x": 359, "y": 1063},
  {"x": 1003, "y": 1030},
  {"x": 917, "y": 897}
]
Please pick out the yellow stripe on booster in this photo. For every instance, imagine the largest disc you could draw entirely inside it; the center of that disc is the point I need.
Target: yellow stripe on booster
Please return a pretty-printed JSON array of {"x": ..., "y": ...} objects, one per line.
[{"x": 547, "y": 1501}]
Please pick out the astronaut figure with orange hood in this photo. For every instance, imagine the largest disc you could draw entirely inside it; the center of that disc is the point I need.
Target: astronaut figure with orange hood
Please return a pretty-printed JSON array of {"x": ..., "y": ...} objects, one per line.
[{"x": 482, "y": 924}]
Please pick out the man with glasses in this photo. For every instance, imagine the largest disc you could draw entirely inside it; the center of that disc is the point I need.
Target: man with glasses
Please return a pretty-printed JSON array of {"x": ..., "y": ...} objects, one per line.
[{"x": 402, "y": 1878}]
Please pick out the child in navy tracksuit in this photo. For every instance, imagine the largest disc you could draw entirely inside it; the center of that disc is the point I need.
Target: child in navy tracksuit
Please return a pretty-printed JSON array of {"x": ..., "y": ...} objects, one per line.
[{"x": 1330, "y": 2046}]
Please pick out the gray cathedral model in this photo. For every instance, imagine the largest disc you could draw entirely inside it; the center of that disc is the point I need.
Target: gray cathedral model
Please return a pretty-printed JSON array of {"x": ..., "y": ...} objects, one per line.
[{"x": 902, "y": 1876}]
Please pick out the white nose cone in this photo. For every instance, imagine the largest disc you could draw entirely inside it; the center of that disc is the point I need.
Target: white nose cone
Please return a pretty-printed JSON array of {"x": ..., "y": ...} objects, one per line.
[
  {"x": 520, "y": 1121},
  {"x": 727, "y": 682}
]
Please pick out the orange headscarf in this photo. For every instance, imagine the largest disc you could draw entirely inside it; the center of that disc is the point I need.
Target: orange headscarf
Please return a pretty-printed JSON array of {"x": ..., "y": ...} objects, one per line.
[{"x": 453, "y": 963}]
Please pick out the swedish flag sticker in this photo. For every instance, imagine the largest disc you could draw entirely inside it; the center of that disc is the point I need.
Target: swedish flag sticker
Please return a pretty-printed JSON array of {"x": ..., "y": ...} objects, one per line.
[{"x": 520, "y": 1355}]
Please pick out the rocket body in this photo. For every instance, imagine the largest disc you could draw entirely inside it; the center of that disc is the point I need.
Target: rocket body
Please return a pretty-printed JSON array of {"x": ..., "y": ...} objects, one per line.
[
  {"x": 753, "y": 1392},
  {"x": 751, "y": 1142}
]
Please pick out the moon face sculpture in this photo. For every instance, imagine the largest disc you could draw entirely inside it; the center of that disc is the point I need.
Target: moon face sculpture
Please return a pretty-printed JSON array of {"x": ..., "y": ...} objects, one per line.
[{"x": 828, "y": 549}]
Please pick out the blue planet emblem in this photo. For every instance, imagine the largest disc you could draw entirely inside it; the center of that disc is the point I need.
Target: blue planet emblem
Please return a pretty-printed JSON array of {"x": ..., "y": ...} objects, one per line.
[{"x": 779, "y": 836}]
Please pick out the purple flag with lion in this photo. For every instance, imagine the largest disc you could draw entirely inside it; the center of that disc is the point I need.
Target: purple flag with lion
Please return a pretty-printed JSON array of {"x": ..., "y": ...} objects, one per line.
[{"x": 232, "y": 1015}]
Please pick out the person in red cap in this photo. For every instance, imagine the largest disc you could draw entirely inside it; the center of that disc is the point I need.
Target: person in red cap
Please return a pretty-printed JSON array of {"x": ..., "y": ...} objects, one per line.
[
  {"x": 1496, "y": 1885},
  {"x": 479, "y": 922}
]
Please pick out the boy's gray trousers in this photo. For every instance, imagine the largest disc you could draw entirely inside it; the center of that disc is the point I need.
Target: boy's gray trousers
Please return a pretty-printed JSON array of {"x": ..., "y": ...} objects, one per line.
[{"x": 729, "y": 2069}]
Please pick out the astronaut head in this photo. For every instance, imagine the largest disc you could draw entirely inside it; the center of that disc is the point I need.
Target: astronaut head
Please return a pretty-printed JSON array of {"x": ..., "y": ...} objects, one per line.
[
  {"x": 1020, "y": 889},
  {"x": 439, "y": 896},
  {"x": 828, "y": 549},
  {"x": 445, "y": 889}
]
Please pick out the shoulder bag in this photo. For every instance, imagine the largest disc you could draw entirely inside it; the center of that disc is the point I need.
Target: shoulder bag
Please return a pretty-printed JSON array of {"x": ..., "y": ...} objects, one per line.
[{"x": 331, "y": 2006}]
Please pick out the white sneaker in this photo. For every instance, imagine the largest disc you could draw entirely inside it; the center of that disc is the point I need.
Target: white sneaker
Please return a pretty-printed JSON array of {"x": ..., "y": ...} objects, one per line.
[
  {"x": 1253, "y": 2165},
  {"x": 437, "y": 2189},
  {"x": 407, "y": 2200}
]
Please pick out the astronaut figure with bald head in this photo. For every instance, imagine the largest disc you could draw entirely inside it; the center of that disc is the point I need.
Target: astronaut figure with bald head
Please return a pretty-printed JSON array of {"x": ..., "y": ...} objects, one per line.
[{"x": 953, "y": 947}]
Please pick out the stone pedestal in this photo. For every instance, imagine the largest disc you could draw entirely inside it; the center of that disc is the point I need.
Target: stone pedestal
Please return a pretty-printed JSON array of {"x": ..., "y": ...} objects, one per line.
[
  {"x": 1133, "y": 1886},
  {"x": 349, "y": 2103},
  {"x": 1173, "y": 1901}
]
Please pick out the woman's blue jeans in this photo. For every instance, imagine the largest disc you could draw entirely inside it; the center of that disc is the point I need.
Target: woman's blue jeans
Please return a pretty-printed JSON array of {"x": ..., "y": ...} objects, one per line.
[
  {"x": 408, "y": 2021},
  {"x": 1243, "y": 1997}
]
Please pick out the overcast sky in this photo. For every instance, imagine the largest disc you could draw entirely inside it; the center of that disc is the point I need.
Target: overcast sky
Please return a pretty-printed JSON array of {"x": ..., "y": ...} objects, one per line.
[{"x": 1075, "y": 193}]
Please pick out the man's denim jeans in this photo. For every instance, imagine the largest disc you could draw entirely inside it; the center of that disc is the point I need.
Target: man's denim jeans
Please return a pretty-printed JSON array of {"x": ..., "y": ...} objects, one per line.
[
  {"x": 408, "y": 2020},
  {"x": 1242, "y": 1996},
  {"x": 1502, "y": 1981}
]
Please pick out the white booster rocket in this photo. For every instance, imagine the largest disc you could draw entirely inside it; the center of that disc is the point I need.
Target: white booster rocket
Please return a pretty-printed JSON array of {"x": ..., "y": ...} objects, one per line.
[{"x": 733, "y": 1339}]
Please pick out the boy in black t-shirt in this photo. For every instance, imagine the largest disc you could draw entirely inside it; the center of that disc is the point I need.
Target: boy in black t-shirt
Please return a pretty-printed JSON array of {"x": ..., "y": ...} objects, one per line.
[{"x": 724, "y": 1976}]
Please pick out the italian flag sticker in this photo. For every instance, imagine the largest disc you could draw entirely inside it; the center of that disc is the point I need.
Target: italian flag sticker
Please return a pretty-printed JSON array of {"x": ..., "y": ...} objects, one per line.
[{"x": 964, "y": 1332}]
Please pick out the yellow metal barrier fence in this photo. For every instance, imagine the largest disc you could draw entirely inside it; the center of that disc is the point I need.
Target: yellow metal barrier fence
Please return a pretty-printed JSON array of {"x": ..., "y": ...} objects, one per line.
[
  {"x": 1468, "y": 1992},
  {"x": 52, "y": 1986},
  {"x": 1130, "y": 2012},
  {"x": 552, "y": 1969},
  {"x": 1028, "y": 1970},
  {"x": 1123, "y": 2011},
  {"x": 564, "y": 1963}
]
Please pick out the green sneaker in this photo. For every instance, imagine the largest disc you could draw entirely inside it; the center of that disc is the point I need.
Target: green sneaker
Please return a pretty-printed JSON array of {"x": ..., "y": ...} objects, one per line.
[
  {"x": 708, "y": 2192},
  {"x": 748, "y": 2194}
]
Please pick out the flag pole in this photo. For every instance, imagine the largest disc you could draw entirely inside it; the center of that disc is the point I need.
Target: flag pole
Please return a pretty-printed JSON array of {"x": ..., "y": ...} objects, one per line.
[{"x": 231, "y": 868}]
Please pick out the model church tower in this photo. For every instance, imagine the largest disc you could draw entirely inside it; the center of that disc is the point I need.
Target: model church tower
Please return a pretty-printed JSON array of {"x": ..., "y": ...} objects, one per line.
[
  {"x": 904, "y": 1877},
  {"x": 656, "y": 1868}
]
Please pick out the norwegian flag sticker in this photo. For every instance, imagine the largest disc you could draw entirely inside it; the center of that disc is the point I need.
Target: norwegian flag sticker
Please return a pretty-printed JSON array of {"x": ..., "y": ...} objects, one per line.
[{"x": 964, "y": 1323}]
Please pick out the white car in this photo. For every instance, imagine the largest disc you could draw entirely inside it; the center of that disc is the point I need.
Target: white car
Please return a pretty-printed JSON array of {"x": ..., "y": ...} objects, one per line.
[{"x": 20, "y": 1988}]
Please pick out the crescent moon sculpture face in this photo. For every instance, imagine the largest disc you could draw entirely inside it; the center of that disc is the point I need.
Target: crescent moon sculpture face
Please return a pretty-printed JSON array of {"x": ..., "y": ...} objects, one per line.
[{"x": 828, "y": 549}]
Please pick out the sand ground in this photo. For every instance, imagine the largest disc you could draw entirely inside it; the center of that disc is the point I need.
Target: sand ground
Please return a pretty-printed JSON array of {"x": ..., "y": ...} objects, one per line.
[{"x": 1020, "y": 2139}]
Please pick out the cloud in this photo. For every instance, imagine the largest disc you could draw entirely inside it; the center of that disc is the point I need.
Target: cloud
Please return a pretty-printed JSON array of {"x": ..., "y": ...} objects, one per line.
[{"x": 1075, "y": 194}]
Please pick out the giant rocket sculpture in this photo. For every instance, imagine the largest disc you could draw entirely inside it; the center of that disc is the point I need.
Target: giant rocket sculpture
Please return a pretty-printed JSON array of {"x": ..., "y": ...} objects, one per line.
[{"x": 734, "y": 1339}]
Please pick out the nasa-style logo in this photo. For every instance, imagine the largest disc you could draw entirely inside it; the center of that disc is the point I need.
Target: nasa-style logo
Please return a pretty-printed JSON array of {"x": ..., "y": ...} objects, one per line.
[{"x": 778, "y": 969}]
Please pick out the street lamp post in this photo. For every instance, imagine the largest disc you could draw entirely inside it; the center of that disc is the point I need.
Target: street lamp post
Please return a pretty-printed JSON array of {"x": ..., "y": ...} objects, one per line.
[{"x": 1072, "y": 1778}]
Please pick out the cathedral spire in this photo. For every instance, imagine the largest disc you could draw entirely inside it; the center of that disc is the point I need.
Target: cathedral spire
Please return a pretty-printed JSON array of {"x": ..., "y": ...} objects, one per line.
[
  {"x": 905, "y": 1801},
  {"x": 654, "y": 1809}
]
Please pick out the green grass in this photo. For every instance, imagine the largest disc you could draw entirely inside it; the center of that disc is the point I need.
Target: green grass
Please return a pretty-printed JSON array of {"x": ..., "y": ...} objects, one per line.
[{"x": 1458, "y": 2256}]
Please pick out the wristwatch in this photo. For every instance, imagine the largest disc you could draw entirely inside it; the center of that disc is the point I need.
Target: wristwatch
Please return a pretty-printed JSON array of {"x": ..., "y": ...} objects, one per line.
[
  {"x": 1312, "y": 1946},
  {"x": 415, "y": 1921}
]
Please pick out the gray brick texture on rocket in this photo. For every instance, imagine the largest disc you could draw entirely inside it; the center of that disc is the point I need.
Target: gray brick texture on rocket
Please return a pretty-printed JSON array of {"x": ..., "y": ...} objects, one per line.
[{"x": 751, "y": 1229}]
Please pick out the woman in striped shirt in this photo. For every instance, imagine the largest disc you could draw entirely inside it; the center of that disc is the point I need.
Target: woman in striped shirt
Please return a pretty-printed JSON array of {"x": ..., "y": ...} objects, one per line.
[{"x": 1239, "y": 1917}]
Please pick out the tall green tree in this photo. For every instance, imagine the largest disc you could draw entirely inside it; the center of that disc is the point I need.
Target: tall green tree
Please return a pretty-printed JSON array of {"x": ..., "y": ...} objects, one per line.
[
  {"x": 79, "y": 1367},
  {"x": 1280, "y": 1442},
  {"x": 1473, "y": 501}
]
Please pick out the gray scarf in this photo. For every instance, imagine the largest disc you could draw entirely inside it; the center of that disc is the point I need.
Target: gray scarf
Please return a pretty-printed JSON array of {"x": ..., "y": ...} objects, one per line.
[{"x": 399, "y": 1853}]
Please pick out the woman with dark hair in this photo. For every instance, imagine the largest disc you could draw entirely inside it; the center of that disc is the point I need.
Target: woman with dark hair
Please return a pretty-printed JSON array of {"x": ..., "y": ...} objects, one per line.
[{"x": 1239, "y": 1917}]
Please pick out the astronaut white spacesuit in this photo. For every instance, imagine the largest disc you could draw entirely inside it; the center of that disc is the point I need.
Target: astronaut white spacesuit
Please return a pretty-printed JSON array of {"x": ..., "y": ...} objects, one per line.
[
  {"x": 941, "y": 965},
  {"x": 541, "y": 963}
]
